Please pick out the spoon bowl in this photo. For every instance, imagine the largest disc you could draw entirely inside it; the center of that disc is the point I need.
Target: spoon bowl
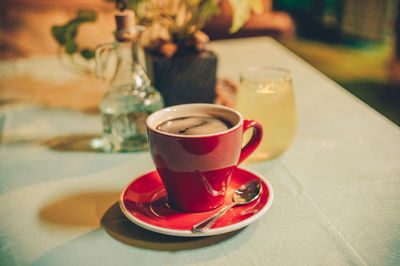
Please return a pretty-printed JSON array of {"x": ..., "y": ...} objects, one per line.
[
  {"x": 245, "y": 194},
  {"x": 248, "y": 192}
]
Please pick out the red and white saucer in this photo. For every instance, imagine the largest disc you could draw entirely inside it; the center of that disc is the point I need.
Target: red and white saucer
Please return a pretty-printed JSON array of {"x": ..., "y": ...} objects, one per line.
[{"x": 144, "y": 202}]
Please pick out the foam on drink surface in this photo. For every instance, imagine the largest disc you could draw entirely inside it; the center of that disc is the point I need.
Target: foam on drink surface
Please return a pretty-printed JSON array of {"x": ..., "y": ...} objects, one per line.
[{"x": 194, "y": 125}]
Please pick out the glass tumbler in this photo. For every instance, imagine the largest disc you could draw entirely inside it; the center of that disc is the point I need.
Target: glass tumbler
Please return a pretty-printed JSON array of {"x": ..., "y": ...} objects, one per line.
[{"x": 266, "y": 95}]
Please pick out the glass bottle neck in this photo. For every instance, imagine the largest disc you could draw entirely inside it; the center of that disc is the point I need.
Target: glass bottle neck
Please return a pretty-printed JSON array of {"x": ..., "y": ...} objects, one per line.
[
  {"x": 128, "y": 52},
  {"x": 129, "y": 75}
]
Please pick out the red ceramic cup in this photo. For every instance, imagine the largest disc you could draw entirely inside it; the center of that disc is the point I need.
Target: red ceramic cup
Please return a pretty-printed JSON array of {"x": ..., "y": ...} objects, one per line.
[{"x": 196, "y": 169}]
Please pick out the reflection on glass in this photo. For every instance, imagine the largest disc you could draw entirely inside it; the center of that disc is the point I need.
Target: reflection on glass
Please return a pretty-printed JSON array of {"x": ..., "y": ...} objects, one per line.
[{"x": 266, "y": 94}]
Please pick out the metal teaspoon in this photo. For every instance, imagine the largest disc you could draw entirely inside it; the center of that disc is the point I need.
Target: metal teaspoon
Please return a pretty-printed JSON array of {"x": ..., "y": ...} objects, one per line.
[{"x": 243, "y": 195}]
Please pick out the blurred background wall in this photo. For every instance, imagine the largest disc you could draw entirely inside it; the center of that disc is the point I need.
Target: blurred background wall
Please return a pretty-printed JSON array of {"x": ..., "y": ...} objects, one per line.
[
  {"x": 354, "y": 42},
  {"x": 25, "y": 25}
]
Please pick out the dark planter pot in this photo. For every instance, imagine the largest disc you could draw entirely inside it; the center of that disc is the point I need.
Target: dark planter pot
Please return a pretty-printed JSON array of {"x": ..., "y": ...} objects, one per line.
[{"x": 184, "y": 79}]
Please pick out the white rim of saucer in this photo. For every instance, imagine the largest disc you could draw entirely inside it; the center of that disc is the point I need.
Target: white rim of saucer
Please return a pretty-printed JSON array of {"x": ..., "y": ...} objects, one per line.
[{"x": 211, "y": 232}]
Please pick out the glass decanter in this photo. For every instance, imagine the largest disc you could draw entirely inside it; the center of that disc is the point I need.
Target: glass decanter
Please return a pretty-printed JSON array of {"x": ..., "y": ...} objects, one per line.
[{"x": 131, "y": 97}]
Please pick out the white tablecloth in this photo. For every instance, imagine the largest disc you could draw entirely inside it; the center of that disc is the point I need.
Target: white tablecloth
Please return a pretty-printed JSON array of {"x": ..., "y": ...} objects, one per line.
[{"x": 337, "y": 189}]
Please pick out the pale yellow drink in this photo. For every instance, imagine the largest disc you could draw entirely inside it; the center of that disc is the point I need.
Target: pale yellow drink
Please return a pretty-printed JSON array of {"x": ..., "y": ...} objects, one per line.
[{"x": 269, "y": 99}]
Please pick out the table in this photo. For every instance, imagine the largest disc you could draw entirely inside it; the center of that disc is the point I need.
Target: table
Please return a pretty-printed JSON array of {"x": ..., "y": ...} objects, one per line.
[{"x": 337, "y": 189}]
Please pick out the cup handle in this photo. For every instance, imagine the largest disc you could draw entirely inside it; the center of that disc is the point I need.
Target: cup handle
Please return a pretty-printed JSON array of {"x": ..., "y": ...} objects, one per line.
[{"x": 254, "y": 141}]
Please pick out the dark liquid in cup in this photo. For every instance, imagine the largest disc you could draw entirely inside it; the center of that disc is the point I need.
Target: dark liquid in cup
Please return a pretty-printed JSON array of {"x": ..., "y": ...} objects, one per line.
[{"x": 194, "y": 125}]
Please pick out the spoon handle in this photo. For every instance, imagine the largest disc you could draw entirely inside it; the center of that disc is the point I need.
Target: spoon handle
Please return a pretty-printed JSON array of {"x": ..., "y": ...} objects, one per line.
[{"x": 206, "y": 224}]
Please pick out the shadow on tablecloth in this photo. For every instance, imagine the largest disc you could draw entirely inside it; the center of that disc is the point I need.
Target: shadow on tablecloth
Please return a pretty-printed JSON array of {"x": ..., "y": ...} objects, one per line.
[
  {"x": 91, "y": 209},
  {"x": 74, "y": 143},
  {"x": 84, "y": 210},
  {"x": 62, "y": 143},
  {"x": 119, "y": 227}
]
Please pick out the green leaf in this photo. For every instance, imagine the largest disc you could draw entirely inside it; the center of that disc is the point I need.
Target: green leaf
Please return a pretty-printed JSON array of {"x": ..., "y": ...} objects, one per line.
[
  {"x": 86, "y": 16},
  {"x": 71, "y": 30},
  {"x": 58, "y": 33},
  {"x": 242, "y": 10},
  {"x": 67, "y": 32},
  {"x": 208, "y": 9},
  {"x": 71, "y": 47},
  {"x": 87, "y": 53},
  {"x": 138, "y": 6},
  {"x": 134, "y": 4}
]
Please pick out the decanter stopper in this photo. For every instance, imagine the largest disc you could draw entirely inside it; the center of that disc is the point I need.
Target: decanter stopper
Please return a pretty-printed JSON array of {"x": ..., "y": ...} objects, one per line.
[{"x": 125, "y": 21}]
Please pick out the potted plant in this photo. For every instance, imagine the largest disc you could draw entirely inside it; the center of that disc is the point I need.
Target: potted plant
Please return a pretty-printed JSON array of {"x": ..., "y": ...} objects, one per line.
[
  {"x": 178, "y": 56},
  {"x": 179, "y": 60}
]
